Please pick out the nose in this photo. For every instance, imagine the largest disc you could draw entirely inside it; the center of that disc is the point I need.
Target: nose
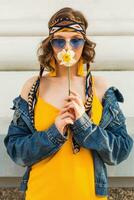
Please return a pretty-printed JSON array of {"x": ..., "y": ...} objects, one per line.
[{"x": 67, "y": 45}]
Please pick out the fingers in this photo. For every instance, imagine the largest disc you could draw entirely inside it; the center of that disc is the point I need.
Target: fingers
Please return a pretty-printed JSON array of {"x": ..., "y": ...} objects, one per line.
[
  {"x": 68, "y": 121},
  {"x": 73, "y": 98},
  {"x": 75, "y": 93},
  {"x": 71, "y": 104},
  {"x": 63, "y": 110},
  {"x": 67, "y": 114}
]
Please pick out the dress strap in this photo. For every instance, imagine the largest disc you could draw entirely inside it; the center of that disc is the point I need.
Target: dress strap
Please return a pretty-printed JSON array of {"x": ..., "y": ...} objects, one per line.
[
  {"x": 31, "y": 99},
  {"x": 93, "y": 84}
]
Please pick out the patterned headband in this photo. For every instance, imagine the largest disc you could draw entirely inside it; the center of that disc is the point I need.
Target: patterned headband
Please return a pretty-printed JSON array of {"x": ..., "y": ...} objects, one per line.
[{"x": 61, "y": 23}]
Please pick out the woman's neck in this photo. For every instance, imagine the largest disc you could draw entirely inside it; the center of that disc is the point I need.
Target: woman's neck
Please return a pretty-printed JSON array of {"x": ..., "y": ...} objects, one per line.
[{"x": 62, "y": 71}]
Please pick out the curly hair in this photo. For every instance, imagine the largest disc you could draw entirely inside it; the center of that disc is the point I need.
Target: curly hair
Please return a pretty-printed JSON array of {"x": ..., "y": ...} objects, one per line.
[{"x": 45, "y": 51}]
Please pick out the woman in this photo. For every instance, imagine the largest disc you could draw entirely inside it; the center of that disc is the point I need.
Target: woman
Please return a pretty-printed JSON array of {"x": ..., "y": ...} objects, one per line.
[{"x": 72, "y": 136}]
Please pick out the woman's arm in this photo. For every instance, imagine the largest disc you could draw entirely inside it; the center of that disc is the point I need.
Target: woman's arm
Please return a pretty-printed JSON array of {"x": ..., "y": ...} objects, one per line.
[
  {"x": 113, "y": 146},
  {"x": 26, "y": 148},
  {"x": 111, "y": 142}
]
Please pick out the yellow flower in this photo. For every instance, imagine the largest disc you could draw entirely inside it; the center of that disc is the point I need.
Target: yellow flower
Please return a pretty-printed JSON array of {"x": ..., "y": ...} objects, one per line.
[{"x": 66, "y": 57}]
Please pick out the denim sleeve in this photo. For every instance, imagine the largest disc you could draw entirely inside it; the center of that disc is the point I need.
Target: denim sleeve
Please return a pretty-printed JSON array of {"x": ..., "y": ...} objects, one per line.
[
  {"x": 112, "y": 144},
  {"x": 26, "y": 148}
]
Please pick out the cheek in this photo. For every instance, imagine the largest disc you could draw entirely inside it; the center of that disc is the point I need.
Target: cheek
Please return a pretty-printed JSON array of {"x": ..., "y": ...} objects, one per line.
[{"x": 79, "y": 53}]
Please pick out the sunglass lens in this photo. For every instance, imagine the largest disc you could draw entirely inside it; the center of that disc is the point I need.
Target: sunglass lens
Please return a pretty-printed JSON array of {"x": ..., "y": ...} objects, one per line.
[
  {"x": 58, "y": 43},
  {"x": 77, "y": 42}
]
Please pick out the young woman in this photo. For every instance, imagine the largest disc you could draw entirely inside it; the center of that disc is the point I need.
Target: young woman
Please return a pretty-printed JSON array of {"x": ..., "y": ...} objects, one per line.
[{"x": 72, "y": 136}]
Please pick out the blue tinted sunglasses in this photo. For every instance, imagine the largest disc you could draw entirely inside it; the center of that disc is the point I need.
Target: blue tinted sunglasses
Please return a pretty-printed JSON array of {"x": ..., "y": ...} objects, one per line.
[{"x": 59, "y": 43}]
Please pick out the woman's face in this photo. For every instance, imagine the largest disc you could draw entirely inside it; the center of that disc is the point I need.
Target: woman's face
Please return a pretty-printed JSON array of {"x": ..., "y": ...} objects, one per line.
[{"x": 68, "y": 35}]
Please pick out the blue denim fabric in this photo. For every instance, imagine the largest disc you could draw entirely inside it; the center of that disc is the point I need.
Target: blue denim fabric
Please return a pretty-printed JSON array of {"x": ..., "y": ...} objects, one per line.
[{"x": 109, "y": 141}]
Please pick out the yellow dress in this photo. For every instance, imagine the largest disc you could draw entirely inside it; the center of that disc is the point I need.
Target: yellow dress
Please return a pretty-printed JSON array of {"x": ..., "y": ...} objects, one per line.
[{"x": 63, "y": 176}]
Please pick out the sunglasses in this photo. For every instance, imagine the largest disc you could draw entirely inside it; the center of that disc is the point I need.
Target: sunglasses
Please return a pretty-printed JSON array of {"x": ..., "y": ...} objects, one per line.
[{"x": 59, "y": 43}]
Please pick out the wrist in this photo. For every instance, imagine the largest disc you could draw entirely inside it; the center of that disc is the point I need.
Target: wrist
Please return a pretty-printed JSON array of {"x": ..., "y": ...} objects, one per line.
[{"x": 82, "y": 123}]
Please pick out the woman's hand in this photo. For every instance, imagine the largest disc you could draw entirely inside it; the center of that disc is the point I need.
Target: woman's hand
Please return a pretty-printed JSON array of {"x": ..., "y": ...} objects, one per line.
[
  {"x": 64, "y": 118},
  {"x": 75, "y": 104}
]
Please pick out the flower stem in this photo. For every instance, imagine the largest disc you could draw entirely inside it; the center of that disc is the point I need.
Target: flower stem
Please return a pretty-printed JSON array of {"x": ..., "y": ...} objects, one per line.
[
  {"x": 69, "y": 82},
  {"x": 69, "y": 86}
]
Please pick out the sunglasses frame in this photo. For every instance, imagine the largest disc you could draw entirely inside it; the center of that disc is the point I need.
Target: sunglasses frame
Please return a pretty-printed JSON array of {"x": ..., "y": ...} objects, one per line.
[{"x": 68, "y": 41}]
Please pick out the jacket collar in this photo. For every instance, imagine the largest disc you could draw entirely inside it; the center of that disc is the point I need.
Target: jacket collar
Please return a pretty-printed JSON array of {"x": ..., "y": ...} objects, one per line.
[
  {"x": 111, "y": 95},
  {"x": 21, "y": 104}
]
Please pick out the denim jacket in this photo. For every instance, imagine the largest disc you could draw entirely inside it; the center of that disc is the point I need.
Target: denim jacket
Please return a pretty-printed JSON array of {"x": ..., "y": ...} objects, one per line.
[{"x": 109, "y": 141}]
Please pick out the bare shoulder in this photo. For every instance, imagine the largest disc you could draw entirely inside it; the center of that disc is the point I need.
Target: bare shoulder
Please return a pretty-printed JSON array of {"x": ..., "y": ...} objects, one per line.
[
  {"x": 27, "y": 86},
  {"x": 101, "y": 85},
  {"x": 101, "y": 82}
]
